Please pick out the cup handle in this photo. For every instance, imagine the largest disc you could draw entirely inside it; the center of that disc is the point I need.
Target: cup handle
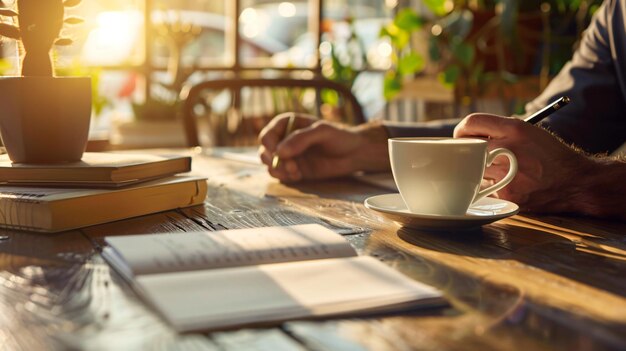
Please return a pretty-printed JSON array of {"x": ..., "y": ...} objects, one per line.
[{"x": 507, "y": 179}]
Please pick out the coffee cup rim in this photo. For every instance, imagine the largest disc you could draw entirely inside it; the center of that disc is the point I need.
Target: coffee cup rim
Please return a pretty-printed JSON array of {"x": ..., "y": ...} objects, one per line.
[{"x": 455, "y": 141}]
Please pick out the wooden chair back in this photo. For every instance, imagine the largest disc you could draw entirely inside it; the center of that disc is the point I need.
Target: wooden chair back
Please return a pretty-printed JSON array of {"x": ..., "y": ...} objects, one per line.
[{"x": 232, "y": 112}]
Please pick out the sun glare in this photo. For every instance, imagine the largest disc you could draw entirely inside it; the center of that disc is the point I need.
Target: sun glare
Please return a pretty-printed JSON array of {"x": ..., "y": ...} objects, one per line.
[
  {"x": 114, "y": 39},
  {"x": 287, "y": 9},
  {"x": 253, "y": 22}
]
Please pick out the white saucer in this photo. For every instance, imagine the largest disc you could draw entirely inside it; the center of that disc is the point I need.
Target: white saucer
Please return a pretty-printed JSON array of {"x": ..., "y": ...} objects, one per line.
[{"x": 483, "y": 211}]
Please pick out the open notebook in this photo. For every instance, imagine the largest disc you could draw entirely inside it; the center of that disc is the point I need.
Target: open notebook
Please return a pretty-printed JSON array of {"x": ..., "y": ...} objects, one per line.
[{"x": 215, "y": 280}]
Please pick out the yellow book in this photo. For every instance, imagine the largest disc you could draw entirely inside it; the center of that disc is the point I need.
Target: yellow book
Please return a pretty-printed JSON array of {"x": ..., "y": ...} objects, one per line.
[
  {"x": 96, "y": 169},
  {"x": 60, "y": 209}
]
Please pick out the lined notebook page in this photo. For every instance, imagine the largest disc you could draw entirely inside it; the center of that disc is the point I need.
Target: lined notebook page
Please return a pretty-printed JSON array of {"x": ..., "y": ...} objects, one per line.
[{"x": 160, "y": 253}]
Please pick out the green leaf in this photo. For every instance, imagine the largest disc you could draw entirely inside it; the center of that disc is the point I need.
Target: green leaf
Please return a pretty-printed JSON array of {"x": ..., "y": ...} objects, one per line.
[
  {"x": 574, "y": 5},
  {"x": 464, "y": 53},
  {"x": 410, "y": 64},
  {"x": 384, "y": 32},
  {"x": 392, "y": 86},
  {"x": 399, "y": 37},
  {"x": 401, "y": 40},
  {"x": 450, "y": 75},
  {"x": 408, "y": 20},
  {"x": 330, "y": 97},
  {"x": 438, "y": 7},
  {"x": 9, "y": 31}
]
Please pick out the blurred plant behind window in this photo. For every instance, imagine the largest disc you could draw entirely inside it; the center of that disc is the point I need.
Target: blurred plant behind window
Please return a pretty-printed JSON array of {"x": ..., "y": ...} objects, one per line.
[
  {"x": 187, "y": 35},
  {"x": 475, "y": 44},
  {"x": 342, "y": 57},
  {"x": 352, "y": 53}
]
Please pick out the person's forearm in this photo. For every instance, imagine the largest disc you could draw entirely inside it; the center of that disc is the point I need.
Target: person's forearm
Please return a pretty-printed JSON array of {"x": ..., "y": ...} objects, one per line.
[{"x": 602, "y": 189}]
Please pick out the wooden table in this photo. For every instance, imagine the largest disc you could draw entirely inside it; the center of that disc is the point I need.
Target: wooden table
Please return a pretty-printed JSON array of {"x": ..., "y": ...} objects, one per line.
[{"x": 527, "y": 282}]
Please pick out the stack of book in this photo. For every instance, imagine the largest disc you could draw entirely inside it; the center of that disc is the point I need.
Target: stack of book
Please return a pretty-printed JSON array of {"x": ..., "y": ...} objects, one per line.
[{"x": 102, "y": 187}]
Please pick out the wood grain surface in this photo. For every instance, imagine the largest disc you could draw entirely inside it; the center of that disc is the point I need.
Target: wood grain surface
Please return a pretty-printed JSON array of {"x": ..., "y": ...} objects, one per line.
[{"x": 524, "y": 283}]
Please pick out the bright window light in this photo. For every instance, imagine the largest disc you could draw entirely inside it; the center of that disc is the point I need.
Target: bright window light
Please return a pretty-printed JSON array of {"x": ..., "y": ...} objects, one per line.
[
  {"x": 287, "y": 9},
  {"x": 253, "y": 22},
  {"x": 114, "y": 39}
]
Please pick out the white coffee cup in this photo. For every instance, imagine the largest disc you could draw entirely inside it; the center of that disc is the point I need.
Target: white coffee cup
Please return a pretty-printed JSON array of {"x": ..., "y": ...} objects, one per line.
[{"x": 442, "y": 176}]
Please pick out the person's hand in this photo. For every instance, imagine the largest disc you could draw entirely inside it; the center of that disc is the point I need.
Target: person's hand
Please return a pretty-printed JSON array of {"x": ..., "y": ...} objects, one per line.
[
  {"x": 319, "y": 149},
  {"x": 548, "y": 176}
]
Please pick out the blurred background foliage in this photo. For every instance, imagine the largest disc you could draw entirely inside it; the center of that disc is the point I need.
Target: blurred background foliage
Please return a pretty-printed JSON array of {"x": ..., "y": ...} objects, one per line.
[{"x": 474, "y": 43}]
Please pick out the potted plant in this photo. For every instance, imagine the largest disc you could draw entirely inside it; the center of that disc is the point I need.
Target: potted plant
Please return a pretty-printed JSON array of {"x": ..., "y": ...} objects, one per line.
[{"x": 43, "y": 118}]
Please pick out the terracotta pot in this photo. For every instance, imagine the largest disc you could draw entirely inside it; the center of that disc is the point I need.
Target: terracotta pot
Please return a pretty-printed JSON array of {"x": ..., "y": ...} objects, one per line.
[{"x": 45, "y": 119}]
